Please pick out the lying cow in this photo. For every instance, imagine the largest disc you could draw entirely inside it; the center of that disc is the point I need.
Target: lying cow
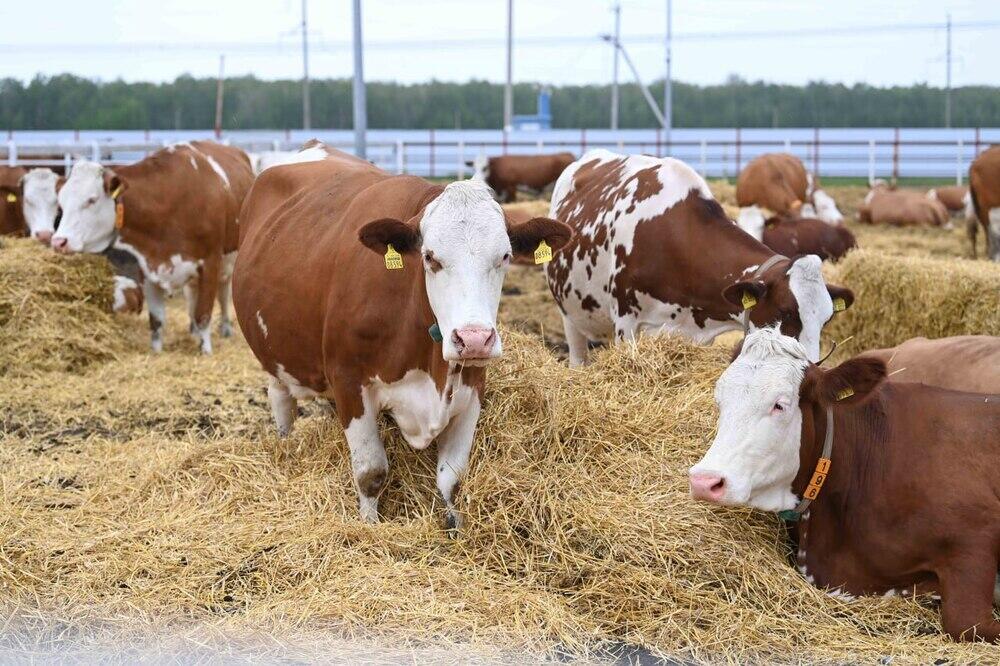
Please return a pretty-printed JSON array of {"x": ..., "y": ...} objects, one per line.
[
  {"x": 508, "y": 172},
  {"x": 406, "y": 325},
  {"x": 41, "y": 205},
  {"x": 11, "y": 213},
  {"x": 961, "y": 363},
  {"x": 792, "y": 236},
  {"x": 952, "y": 197},
  {"x": 176, "y": 212},
  {"x": 780, "y": 183},
  {"x": 655, "y": 253},
  {"x": 984, "y": 186},
  {"x": 901, "y": 208},
  {"x": 894, "y": 485}
]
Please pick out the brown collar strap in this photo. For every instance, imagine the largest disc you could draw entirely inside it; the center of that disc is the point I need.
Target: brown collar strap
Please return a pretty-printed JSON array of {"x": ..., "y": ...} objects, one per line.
[{"x": 818, "y": 477}]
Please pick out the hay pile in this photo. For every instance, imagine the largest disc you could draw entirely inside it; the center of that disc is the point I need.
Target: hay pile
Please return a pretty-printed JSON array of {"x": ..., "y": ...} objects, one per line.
[
  {"x": 55, "y": 312},
  {"x": 898, "y": 298}
]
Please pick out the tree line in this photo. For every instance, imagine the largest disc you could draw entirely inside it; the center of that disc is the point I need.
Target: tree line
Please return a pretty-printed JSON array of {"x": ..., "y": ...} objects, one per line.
[{"x": 72, "y": 102}]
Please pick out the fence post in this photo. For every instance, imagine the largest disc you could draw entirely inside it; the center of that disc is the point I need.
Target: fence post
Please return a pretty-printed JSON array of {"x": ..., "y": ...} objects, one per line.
[
  {"x": 539, "y": 146},
  {"x": 461, "y": 159},
  {"x": 67, "y": 163},
  {"x": 704, "y": 159},
  {"x": 816, "y": 152},
  {"x": 95, "y": 151},
  {"x": 432, "y": 151},
  {"x": 11, "y": 152},
  {"x": 977, "y": 143},
  {"x": 871, "y": 162},
  {"x": 621, "y": 146},
  {"x": 505, "y": 141},
  {"x": 788, "y": 145},
  {"x": 400, "y": 157},
  {"x": 275, "y": 145},
  {"x": 895, "y": 156},
  {"x": 659, "y": 146},
  {"x": 583, "y": 140},
  {"x": 739, "y": 150},
  {"x": 958, "y": 161}
]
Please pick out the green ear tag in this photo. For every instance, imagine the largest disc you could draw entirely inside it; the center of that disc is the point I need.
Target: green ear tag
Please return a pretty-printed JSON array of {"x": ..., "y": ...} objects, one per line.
[
  {"x": 789, "y": 516},
  {"x": 839, "y": 304},
  {"x": 435, "y": 333},
  {"x": 845, "y": 393},
  {"x": 749, "y": 300}
]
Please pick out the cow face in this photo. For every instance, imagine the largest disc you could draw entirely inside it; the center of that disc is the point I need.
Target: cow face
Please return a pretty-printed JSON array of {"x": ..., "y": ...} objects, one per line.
[
  {"x": 465, "y": 247},
  {"x": 797, "y": 298},
  {"x": 826, "y": 208},
  {"x": 41, "y": 208},
  {"x": 88, "y": 221},
  {"x": 762, "y": 396}
]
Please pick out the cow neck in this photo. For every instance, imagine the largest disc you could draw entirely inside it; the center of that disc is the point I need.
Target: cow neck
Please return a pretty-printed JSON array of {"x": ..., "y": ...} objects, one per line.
[
  {"x": 132, "y": 198},
  {"x": 814, "y": 466}
]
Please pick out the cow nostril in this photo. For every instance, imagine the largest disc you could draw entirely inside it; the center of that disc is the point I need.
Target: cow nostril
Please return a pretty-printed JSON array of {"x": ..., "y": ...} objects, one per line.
[
  {"x": 457, "y": 339},
  {"x": 718, "y": 486}
]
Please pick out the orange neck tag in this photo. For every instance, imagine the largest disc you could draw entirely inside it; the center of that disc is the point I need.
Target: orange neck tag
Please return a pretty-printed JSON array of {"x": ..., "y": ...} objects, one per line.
[{"x": 119, "y": 214}]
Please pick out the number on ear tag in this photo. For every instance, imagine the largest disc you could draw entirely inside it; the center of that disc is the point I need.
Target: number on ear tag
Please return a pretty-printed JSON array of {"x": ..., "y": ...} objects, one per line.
[
  {"x": 393, "y": 259},
  {"x": 839, "y": 304},
  {"x": 845, "y": 393},
  {"x": 543, "y": 253},
  {"x": 11, "y": 197},
  {"x": 749, "y": 300},
  {"x": 119, "y": 215}
]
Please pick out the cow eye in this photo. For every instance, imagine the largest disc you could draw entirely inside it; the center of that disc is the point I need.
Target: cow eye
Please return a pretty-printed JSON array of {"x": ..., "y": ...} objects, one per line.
[
  {"x": 778, "y": 407},
  {"x": 433, "y": 265},
  {"x": 505, "y": 260},
  {"x": 91, "y": 201}
]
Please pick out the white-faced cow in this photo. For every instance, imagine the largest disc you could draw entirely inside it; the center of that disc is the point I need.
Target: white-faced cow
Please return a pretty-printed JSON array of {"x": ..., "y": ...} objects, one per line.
[
  {"x": 780, "y": 183},
  {"x": 891, "y": 485},
  {"x": 379, "y": 293},
  {"x": 176, "y": 212},
  {"x": 655, "y": 253},
  {"x": 41, "y": 206}
]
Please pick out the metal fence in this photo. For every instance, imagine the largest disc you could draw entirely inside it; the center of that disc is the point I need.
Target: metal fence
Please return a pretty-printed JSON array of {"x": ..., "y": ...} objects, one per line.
[{"x": 442, "y": 154}]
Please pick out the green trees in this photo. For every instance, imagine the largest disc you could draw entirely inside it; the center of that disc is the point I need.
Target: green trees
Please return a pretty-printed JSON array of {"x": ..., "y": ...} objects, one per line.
[{"x": 71, "y": 102}]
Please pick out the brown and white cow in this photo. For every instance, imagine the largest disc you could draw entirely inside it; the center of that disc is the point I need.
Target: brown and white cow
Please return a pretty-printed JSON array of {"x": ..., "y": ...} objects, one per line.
[
  {"x": 901, "y": 208},
  {"x": 508, "y": 172},
  {"x": 655, "y": 253},
  {"x": 961, "y": 363},
  {"x": 984, "y": 186},
  {"x": 178, "y": 217},
  {"x": 792, "y": 236},
  {"x": 893, "y": 485},
  {"x": 780, "y": 183},
  {"x": 379, "y": 293},
  {"x": 11, "y": 213},
  {"x": 952, "y": 197}
]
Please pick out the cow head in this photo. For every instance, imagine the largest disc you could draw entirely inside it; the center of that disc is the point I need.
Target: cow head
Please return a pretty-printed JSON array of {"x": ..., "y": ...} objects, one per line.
[
  {"x": 41, "y": 208},
  {"x": 794, "y": 295},
  {"x": 762, "y": 397},
  {"x": 465, "y": 245},
  {"x": 826, "y": 208},
  {"x": 88, "y": 205},
  {"x": 480, "y": 168}
]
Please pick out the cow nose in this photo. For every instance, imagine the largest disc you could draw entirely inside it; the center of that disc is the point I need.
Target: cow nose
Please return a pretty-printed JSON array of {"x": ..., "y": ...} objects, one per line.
[
  {"x": 708, "y": 487},
  {"x": 474, "y": 342},
  {"x": 44, "y": 236},
  {"x": 59, "y": 243}
]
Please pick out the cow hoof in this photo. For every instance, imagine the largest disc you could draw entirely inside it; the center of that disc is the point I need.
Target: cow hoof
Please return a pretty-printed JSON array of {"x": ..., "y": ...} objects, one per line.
[
  {"x": 226, "y": 330},
  {"x": 192, "y": 329},
  {"x": 452, "y": 524}
]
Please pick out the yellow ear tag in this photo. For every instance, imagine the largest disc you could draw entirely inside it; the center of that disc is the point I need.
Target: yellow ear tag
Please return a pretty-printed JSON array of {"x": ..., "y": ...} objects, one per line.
[
  {"x": 119, "y": 215},
  {"x": 11, "y": 197},
  {"x": 845, "y": 393},
  {"x": 543, "y": 253},
  {"x": 118, "y": 191},
  {"x": 393, "y": 259},
  {"x": 749, "y": 300},
  {"x": 839, "y": 304}
]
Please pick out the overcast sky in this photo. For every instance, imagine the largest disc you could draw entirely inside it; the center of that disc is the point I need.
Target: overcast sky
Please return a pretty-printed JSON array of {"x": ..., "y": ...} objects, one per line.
[{"x": 456, "y": 40}]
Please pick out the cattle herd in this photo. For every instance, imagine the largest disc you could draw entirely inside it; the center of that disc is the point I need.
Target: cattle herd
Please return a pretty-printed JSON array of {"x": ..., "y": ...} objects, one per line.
[{"x": 379, "y": 293}]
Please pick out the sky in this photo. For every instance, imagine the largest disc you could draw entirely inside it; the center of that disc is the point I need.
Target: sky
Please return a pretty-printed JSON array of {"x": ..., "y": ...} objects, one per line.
[{"x": 556, "y": 41}]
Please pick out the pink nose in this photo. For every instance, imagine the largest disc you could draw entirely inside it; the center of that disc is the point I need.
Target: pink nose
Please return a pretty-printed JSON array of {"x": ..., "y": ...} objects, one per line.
[
  {"x": 707, "y": 487},
  {"x": 60, "y": 244},
  {"x": 44, "y": 237},
  {"x": 474, "y": 342}
]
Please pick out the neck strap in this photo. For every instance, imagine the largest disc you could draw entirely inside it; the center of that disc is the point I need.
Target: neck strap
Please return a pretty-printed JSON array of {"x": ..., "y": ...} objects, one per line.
[{"x": 818, "y": 477}]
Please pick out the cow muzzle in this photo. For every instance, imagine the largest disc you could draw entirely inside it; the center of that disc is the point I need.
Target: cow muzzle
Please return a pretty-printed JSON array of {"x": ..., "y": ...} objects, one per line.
[
  {"x": 707, "y": 487},
  {"x": 475, "y": 342},
  {"x": 61, "y": 245},
  {"x": 44, "y": 237}
]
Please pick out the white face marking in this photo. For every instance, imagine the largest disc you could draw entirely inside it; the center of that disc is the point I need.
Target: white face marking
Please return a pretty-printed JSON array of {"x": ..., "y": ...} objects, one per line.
[
  {"x": 751, "y": 220},
  {"x": 419, "y": 409},
  {"x": 263, "y": 326},
  {"x": 39, "y": 200},
  {"x": 465, "y": 232},
  {"x": 826, "y": 208},
  {"x": 88, "y": 222},
  {"x": 805, "y": 279},
  {"x": 756, "y": 448}
]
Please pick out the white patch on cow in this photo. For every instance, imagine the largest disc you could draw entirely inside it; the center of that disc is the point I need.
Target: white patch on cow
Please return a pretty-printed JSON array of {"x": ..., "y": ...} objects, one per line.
[
  {"x": 194, "y": 162},
  {"x": 263, "y": 326},
  {"x": 808, "y": 211},
  {"x": 174, "y": 275},
  {"x": 294, "y": 386},
  {"x": 869, "y": 196},
  {"x": 805, "y": 279},
  {"x": 465, "y": 231},
  {"x": 217, "y": 168},
  {"x": 420, "y": 410},
  {"x": 751, "y": 220},
  {"x": 283, "y": 408},
  {"x": 826, "y": 208},
  {"x": 970, "y": 210},
  {"x": 890, "y": 593},
  {"x": 279, "y": 157},
  {"x": 841, "y": 595},
  {"x": 994, "y": 232},
  {"x": 756, "y": 447},
  {"x": 750, "y": 270},
  {"x": 39, "y": 202},
  {"x": 932, "y": 194},
  {"x": 659, "y": 318},
  {"x": 481, "y": 168},
  {"x": 88, "y": 221},
  {"x": 122, "y": 284},
  {"x": 139, "y": 256}
]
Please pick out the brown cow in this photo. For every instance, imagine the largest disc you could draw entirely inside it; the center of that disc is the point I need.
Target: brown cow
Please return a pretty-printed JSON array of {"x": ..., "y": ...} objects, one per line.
[
  {"x": 795, "y": 236},
  {"x": 780, "y": 183},
  {"x": 951, "y": 197},
  {"x": 984, "y": 186},
  {"x": 892, "y": 485},
  {"x": 176, "y": 213},
  {"x": 655, "y": 253},
  {"x": 902, "y": 208},
  {"x": 961, "y": 363},
  {"x": 405, "y": 325},
  {"x": 11, "y": 214},
  {"x": 507, "y": 172}
]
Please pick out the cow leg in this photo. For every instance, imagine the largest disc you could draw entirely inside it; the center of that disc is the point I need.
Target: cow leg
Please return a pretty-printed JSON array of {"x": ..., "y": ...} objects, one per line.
[
  {"x": 972, "y": 230},
  {"x": 284, "y": 407},
  {"x": 368, "y": 459},
  {"x": 993, "y": 234},
  {"x": 208, "y": 287},
  {"x": 454, "y": 446},
  {"x": 967, "y": 597},
  {"x": 156, "y": 303},
  {"x": 577, "y": 343},
  {"x": 226, "y": 294},
  {"x": 191, "y": 298}
]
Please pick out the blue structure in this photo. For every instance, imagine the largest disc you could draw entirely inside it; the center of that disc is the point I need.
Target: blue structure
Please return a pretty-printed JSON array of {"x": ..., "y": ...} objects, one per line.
[{"x": 542, "y": 120}]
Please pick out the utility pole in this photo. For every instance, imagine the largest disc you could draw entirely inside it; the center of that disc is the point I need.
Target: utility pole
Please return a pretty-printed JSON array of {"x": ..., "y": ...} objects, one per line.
[
  {"x": 614, "y": 79},
  {"x": 306, "y": 111},
  {"x": 218, "y": 96},
  {"x": 360, "y": 113},
  {"x": 668, "y": 102},
  {"x": 947, "y": 92},
  {"x": 638, "y": 79},
  {"x": 508, "y": 91}
]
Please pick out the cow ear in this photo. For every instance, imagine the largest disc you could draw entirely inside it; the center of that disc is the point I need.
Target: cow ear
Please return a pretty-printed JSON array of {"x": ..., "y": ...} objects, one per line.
[
  {"x": 114, "y": 184},
  {"x": 526, "y": 237},
  {"x": 745, "y": 295},
  {"x": 380, "y": 234},
  {"x": 851, "y": 382},
  {"x": 60, "y": 181},
  {"x": 843, "y": 298}
]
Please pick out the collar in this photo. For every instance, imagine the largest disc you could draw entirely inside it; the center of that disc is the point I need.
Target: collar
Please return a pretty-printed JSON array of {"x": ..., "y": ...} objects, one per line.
[
  {"x": 818, "y": 477},
  {"x": 756, "y": 274}
]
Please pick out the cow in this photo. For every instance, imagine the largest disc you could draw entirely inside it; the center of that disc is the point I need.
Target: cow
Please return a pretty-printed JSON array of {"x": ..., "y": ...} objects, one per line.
[
  {"x": 40, "y": 202},
  {"x": 961, "y": 363},
  {"x": 176, "y": 213},
  {"x": 901, "y": 208},
  {"x": 508, "y": 172},
  {"x": 952, "y": 197},
  {"x": 889, "y": 485},
  {"x": 654, "y": 252},
  {"x": 792, "y": 236},
  {"x": 11, "y": 213},
  {"x": 378, "y": 293},
  {"x": 984, "y": 186},
  {"x": 780, "y": 183}
]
